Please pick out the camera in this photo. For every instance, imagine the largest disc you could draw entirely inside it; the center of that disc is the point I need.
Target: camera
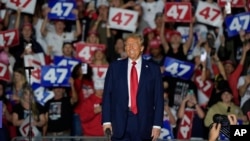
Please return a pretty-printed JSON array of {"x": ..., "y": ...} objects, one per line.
[{"x": 225, "y": 124}]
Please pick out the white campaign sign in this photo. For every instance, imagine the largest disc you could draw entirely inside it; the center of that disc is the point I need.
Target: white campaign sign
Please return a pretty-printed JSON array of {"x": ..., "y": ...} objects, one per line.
[
  {"x": 123, "y": 19},
  {"x": 25, "y": 126},
  {"x": 99, "y": 73},
  {"x": 36, "y": 61},
  {"x": 2, "y": 13},
  {"x": 27, "y": 6},
  {"x": 209, "y": 14}
]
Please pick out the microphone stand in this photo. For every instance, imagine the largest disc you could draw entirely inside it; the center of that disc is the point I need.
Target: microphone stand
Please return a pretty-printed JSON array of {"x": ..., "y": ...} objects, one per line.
[{"x": 30, "y": 103}]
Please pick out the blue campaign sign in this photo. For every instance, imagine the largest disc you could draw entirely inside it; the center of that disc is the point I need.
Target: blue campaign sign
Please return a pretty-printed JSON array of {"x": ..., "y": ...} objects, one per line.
[
  {"x": 166, "y": 131},
  {"x": 68, "y": 62},
  {"x": 177, "y": 68},
  {"x": 52, "y": 76},
  {"x": 41, "y": 94},
  {"x": 62, "y": 9},
  {"x": 236, "y": 23}
]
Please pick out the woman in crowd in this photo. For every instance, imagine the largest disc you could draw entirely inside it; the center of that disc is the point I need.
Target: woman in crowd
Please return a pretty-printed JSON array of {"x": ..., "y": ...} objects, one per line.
[
  {"x": 16, "y": 87},
  {"x": 189, "y": 103},
  {"x": 84, "y": 87},
  {"x": 28, "y": 107}
]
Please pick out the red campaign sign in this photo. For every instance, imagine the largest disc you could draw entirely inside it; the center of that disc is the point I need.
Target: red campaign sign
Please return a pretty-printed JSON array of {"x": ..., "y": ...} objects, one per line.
[
  {"x": 185, "y": 126},
  {"x": 9, "y": 38},
  {"x": 178, "y": 12},
  {"x": 204, "y": 87},
  {"x": 85, "y": 51},
  {"x": 234, "y": 3},
  {"x": 4, "y": 72}
]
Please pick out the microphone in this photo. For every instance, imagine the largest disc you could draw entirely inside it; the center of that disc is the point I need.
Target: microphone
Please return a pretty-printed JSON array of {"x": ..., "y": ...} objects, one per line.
[
  {"x": 108, "y": 131},
  {"x": 228, "y": 109},
  {"x": 29, "y": 68}
]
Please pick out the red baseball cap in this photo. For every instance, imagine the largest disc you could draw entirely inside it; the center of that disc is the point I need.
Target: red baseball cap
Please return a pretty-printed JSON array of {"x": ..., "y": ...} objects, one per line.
[
  {"x": 155, "y": 43},
  {"x": 147, "y": 30},
  {"x": 229, "y": 62},
  {"x": 92, "y": 32},
  {"x": 172, "y": 33}
]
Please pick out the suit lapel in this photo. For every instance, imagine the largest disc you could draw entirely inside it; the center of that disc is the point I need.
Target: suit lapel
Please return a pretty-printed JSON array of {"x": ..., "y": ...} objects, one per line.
[{"x": 144, "y": 69}]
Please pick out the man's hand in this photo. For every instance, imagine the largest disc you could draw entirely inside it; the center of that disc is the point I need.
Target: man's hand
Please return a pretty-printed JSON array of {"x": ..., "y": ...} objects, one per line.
[
  {"x": 155, "y": 133},
  {"x": 105, "y": 127},
  {"x": 214, "y": 132}
]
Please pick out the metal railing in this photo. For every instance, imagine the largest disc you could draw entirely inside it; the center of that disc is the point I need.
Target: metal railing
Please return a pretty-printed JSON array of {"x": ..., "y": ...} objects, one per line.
[
  {"x": 78, "y": 138},
  {"x": 61, "y": 138}
]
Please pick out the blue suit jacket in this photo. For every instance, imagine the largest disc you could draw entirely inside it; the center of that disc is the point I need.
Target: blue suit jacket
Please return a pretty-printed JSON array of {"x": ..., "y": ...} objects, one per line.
[{"x": 150, "y": 102}]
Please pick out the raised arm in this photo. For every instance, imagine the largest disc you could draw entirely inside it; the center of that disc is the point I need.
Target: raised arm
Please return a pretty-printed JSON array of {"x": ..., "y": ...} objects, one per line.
[
  {"x": 43, "y": 29},
  {"x": 18, "y": 17},
  {"x": 220, "y": 66},
  {"x": 162, "y": 36},
  {"x": 189, "y": 42},
  {"x": 74, "y": 97},
  {"x": 78, "y": 24}
]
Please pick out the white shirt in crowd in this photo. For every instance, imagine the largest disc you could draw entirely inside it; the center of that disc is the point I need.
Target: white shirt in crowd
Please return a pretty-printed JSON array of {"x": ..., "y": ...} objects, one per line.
[
  {"x": 56, "y": 41},
  {"x": 246, "y": 95},
  {"x": 149, "y": 11}
]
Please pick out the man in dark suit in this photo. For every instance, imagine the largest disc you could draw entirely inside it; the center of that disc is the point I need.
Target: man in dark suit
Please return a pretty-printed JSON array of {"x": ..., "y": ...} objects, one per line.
[{"x": 133, "y": 96}]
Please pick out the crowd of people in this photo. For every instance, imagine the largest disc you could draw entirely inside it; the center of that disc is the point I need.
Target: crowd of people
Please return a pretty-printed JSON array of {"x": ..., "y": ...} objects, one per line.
[{"x": 218, "y": 83}]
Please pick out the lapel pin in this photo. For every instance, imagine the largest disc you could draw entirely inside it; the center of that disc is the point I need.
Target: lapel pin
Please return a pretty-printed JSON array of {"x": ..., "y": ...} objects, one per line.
[{"x": 146, "y": 66}]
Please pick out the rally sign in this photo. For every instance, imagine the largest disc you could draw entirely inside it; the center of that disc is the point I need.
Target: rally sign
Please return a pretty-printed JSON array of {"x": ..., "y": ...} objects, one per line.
[
  {"x": 36, "y": 61},
  {"x": 238, "y": 22},
  {"x": 204, "y": 89},
  {"x": 42, "y": 95},
  {"x": 85, "y": 51},
  {"x": 62, "y": 9},
  {"x": 64, "y": 61},
  {"x": 178, "y": 12},
  {"x": 166, "y": 131},
  {"x": 53, "y": 76},
  {"x": 178, "y": 68},
  {"x": 209, "y": 14},
  {"x": 2, "y": 13},
  {"x": 99, "y": 73},
  {"x": 9, "y": 38},
  {"x": 27, "y": 6},
  {"x": 185, "y": 126},
  {"x": 25, "y": 128},
  {"x": 4, "y": 72},
  {"x": 234, "y": 3},
  {"x": 123, "y": 19}
]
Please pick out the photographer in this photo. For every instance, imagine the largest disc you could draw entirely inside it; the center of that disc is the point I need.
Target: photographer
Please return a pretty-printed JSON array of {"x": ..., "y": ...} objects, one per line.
[{"x": 216, "y": 127}]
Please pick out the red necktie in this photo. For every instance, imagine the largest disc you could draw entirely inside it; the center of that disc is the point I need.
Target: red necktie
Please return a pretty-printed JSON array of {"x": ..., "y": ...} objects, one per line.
[{"x": 133, "y": 87}]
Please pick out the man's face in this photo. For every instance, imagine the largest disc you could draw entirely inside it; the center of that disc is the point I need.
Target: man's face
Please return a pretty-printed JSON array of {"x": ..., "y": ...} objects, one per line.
[
  {"x": 59, "y": 26},
  {"x": 228, "y": 68},
  {"x": 133, "y": 48},
  {"x": 27, "y": 31}
]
